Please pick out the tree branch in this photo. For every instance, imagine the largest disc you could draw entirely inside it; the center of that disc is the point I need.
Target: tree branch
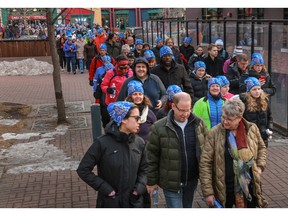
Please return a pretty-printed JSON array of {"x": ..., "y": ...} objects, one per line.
[{"x": 62, "y": 11}]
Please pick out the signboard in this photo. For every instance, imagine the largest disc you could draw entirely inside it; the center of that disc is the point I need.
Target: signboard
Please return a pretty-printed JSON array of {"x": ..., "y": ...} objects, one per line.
[{"x": 27, "y": 17}]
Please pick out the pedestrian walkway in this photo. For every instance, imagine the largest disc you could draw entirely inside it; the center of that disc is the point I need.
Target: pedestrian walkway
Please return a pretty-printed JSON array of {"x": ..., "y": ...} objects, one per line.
[{"x": 63, "y": 188}]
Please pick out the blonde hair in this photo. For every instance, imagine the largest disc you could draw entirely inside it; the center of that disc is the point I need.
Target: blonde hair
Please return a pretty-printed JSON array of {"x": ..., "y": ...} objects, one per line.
[{"x": 257, "y": 104}]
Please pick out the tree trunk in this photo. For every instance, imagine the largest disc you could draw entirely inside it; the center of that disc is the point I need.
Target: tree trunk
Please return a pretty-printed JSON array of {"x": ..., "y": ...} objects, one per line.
[{"x": 60, "y": 105}]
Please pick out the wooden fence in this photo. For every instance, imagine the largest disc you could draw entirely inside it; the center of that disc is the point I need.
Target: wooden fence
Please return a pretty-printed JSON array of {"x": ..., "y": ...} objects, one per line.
[{"x": 24, "y": 48}]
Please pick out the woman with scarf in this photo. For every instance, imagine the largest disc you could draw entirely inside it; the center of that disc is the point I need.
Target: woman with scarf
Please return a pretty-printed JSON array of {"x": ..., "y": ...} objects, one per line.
[
  {"x": 257, "y": 107},
  {"x": 232, "y": 161},
  {"x": 209, "y": 107},
  {"x": 136, "y": 96}
]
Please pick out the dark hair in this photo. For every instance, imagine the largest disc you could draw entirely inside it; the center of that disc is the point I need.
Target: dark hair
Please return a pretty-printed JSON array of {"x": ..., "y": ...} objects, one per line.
[
  {"x": 134, "y": 106},
  {"x": 121, "y": 57},
  {"x": 110, "y": 36},
  {"x": 131, "y": 55}
]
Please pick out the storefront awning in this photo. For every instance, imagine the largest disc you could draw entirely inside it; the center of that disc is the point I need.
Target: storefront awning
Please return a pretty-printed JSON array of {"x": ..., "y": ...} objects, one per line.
[{"x": 122, "y": 12}]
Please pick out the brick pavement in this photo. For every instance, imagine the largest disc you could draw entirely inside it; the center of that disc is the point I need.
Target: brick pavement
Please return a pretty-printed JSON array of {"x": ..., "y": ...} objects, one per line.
[{"x": 64, "y": 189}]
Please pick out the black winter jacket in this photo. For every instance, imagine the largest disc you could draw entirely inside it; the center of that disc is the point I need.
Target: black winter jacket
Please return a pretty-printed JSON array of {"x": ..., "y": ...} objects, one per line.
[
  {"x": 176, "y": 75},
  {"x": 214, "y": 67},
  {"x": 236, "y": 76},
  {"x": 194, "y": 58},
  {"x": 121, "y": 165},
  {"x": 200, "y": 87},
  {"x": 262, "y": 119}
]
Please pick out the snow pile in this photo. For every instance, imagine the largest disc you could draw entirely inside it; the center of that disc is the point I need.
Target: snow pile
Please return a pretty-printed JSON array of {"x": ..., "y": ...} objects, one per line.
[
  {"x": 27, "y": 67},
  {"x": 8, "y": 122},
  {"x": 37, "y": 156}
]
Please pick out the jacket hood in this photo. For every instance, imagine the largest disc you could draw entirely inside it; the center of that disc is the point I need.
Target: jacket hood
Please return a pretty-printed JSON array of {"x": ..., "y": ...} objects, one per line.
[{"x": 112, "y": 129}]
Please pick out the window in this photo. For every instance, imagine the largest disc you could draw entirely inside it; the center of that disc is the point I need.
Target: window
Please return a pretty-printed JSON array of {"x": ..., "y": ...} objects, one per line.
[
  {"x": 247, "y": 13},
  {"x": 212, "y": 13}
]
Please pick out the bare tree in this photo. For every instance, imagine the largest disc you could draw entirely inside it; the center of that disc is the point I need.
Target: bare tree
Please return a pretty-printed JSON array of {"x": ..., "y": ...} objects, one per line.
[{"x": 60, "y": 104}]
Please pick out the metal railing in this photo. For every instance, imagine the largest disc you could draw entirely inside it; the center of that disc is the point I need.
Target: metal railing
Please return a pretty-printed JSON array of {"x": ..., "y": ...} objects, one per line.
[{"x": 269, "y": 37}]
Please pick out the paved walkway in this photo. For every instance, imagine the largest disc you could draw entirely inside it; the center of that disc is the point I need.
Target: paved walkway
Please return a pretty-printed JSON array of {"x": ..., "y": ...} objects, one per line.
[{"x": 63, "y": 188}]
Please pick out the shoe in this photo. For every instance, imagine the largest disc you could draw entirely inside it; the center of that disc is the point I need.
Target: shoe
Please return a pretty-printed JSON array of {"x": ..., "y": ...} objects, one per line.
[
  {"x": 82, "y": 72},
  {"x": 74, "y": 72}
]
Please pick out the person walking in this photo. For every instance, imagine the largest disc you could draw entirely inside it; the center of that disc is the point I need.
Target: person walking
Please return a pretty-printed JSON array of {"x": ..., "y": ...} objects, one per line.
[
  {"x": 257, "y": 107},
  {"x": 214, "y": 65},
  {"x": 176, "y": 52},
  {"x": 198, "y": 55},
  {"x": 60, "y": 45},
  {"x": 237, "y": 73},
  {"x": 121, "y": 165},
  {"x": 199, "y": 80},
  {"x": 172, "y": 73},
  {"x": 80, "y": 43},
  {"x": 259, "y": 71},
  {"x": 232, "y": 161},
  {"x": 113, "y": 48},
  {"x": 209, "y": 108},
  {"x": 173, "y": 151},
  {"x": 187, "y": 50},
  {"x": 171, "y": 90},
  {"x": 152, "y": 85},
  {"x": 70, "y": 54},
  {"x": 90, "y": 51},
  {"x": 156, "y": 49}
]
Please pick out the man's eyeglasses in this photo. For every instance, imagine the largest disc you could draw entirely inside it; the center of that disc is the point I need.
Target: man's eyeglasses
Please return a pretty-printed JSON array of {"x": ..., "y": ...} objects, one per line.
[
  {"x": 123, "y": 67},
  {"x": 182, "y": 110},
  {"x": 137, "y": 118},
  {"x": 130, "y": 55}
]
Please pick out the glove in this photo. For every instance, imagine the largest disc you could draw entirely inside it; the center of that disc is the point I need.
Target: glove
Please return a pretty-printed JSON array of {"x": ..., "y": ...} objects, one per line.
[
  {"x": 269, "y": 133},
  {"x": 111, "y": 90},
  {"x": 91, "y": 83}
]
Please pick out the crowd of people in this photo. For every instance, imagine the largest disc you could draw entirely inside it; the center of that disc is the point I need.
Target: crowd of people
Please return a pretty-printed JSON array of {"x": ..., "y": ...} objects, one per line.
[{"x": 173, "y": 116}]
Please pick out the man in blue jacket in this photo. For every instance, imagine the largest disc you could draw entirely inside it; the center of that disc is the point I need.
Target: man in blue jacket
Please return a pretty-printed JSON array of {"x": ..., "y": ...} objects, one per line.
[{"x": 70, "y": 54}]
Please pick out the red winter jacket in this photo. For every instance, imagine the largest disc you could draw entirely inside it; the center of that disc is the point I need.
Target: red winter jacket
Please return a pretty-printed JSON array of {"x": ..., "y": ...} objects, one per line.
[
  {"x": 96, "y": 63},
  {"x": 109, "y": 79}
]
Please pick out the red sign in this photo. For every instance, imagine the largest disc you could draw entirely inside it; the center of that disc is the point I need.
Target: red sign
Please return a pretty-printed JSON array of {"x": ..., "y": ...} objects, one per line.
[{"x": 27, "y": 17}]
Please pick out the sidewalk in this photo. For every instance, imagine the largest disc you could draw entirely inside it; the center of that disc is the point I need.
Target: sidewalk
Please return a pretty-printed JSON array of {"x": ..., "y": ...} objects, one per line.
[{"x": 63, "y": 188}]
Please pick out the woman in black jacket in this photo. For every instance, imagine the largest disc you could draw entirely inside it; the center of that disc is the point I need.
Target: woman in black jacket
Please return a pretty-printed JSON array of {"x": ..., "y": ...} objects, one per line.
[
  {"x": 257, "y": 109},
  {"x": 120, "y": 159},
  {"x": 199, "y": 80}
]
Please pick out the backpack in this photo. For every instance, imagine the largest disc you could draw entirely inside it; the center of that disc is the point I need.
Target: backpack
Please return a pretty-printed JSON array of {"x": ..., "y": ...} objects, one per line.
[{"x": 98, "y": 92}]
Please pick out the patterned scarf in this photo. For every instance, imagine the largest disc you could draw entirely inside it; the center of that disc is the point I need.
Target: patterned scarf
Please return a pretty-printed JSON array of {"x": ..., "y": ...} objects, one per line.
[{"x": 239, "y": 151}]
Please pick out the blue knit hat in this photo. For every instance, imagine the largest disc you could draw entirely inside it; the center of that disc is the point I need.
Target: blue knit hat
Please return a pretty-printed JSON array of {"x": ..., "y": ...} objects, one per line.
[
  {"x": 118, "y": 110},
  {"x": 187, "y": 40},
  {"x": 257, "y": 59},
  {"x": 223, "y": 80},
  {"x": 106, "y": 59},
  {"x": 108, "y": 66},
  {"x": 172, "y": 90},
  {"x": 198, "y": 65},
  {"x": 100, "y": 30},
  {"x": 251, "y": 82},
  {"x": 165, "y": 50},
  {"x": 148, "y": 54},
  {"x": 135, "y": 86},
  {"x": 158, "y": 39},
  {"x": 103, "y": 46},
  {"x": 219, "y": 42},
  {"x": 212, "y": 81},
  {"x": 90, "y": 36},
  {"x": 138, "y": 41}
]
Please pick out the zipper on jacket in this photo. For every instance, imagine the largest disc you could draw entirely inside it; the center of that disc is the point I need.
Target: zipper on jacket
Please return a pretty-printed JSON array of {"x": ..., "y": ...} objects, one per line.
[{"x": 186, "y": 158}]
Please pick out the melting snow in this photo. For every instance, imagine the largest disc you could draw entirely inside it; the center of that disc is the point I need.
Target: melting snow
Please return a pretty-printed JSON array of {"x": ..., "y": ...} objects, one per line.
[
  {"x": 9, "y": 122},
  {"x": 27, "y": 67}
]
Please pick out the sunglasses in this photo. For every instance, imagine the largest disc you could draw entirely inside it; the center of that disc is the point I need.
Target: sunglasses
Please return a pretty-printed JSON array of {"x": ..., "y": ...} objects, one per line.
[
  {"x": 123, "y": 67},
  {"x": 137, "y": 118}
]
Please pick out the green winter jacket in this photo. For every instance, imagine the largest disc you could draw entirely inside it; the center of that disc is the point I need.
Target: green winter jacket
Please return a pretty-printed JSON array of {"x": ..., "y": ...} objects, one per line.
[
  {"x": 202, "y": 109},
  {"x": 163, "y": 152}
]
